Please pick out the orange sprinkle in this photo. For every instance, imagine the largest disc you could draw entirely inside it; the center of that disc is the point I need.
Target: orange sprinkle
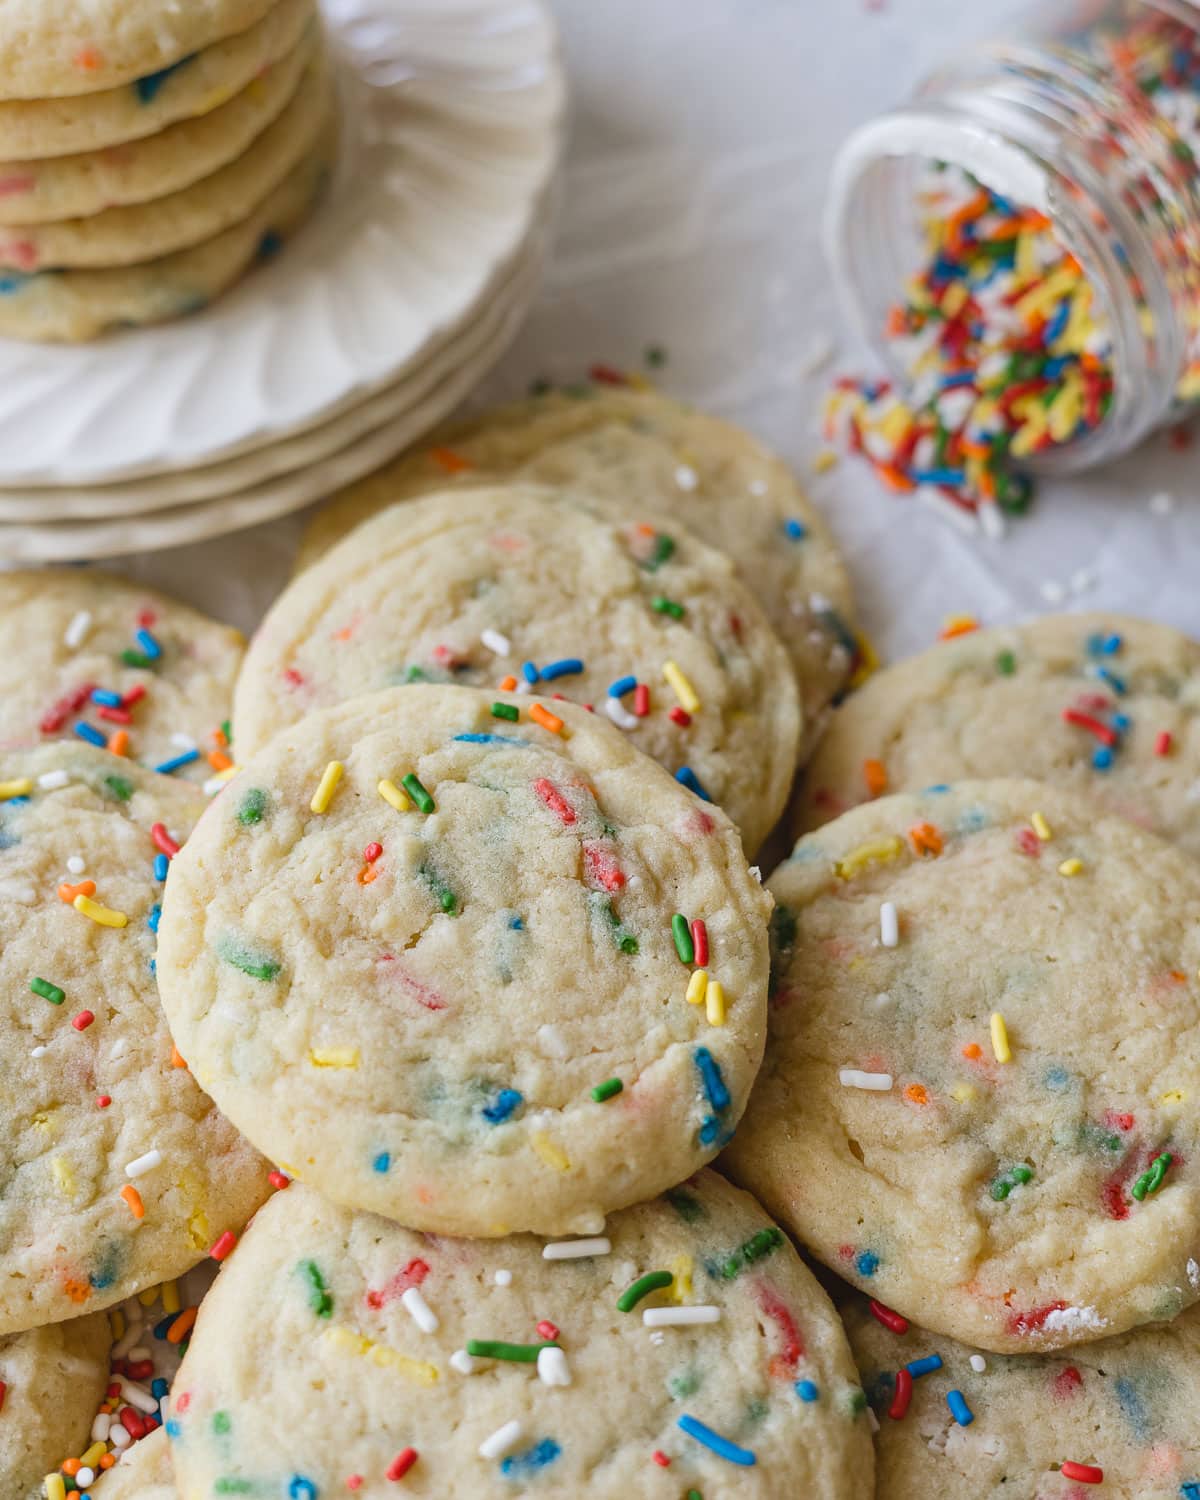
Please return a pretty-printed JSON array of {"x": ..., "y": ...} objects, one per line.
[
  {"x": 71, "y": 1466},
  {"x": 972, "y": 1050},
  {"x": 67, "y": 893},
  {"x": 508, "y": 685},
  {"x": 177, "y": 1058},
  {"x": 449, "y": 461},
  {"x": 1178, "y": 976},
  {"x": 957, "y": 625},
  {"x": 119, "y": 743},
  {"x": 643, "y": 528},
  {"x": 545, "y": 718},
  {"x": 220, "y": 737},
  {"x": 89, "y": 59},
  {"x": 131, "y": 1196},
  {"x": 366, "y": 875},
  {"x": 107, "y": 1460},
  {"x": 219, "y": 761},
  {"x": 916, "y": 1093},
  {"x": 926, "y": 839},
  {"x": 893, "y": 478},
  {"x": 182, "y": 1325},
  {"x": 876, "y": 777}
]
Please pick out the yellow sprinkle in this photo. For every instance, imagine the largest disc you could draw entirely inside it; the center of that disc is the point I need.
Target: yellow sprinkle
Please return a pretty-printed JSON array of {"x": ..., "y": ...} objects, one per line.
[
  {"x": 1065, "y": 412},
  {"x": 824, "y": 461},
  {"x": 350, "y": 1342},
  {"x": 1026, "y": 263},
  {"x": 393, "y": 796},
  {"x": 681, "y": 1268},
  {"x": 170, "y": 1297},
  {"x": 63, "y": 1175},
  {"x": 55, "y": 1487},
  {"x": 697, "y": 985},
  {"x": 326, "y": 787},
  {"x": 895, "y": 425},
  {"x": 149, "y": 1296},
  {"x": 103, "y": 915},
  {"x": 1172, "y": 1099},
  {"x": 116, "y": 1323},
  {"x": 1000, "y": 1038},
  {"x": 955, "y": 299},
  {"x": 1070, "y": 867},
  {"x": 868, "y": 661},
  {"x": 553, "y": 1155},
  {"x": 1043, "y": 296},
  {"x": 19, "y": 788},
  {"x": 334, "y": 1057},
  {"x": 199, "y": 1231},
  {"x": 714, "y": 1003},
  {"x": 964, "y": 1093},
  {"x": 1041, "y": 827},
  {"x": 874, "y": 852},
  {"x": 683, "y": 689},
  {"x": 93, "y": 1455}
]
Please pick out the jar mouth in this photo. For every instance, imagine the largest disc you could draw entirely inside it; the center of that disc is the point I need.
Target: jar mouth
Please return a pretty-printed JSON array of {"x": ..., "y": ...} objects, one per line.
[{"x": 873, "y": 244}]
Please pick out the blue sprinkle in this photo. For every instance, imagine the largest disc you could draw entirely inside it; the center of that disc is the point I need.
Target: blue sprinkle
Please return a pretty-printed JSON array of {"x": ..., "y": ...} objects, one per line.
[
  {"x": 529, "y": 672},
  {"x": 622, "y": 686},
  {"x": 159, "y": 1388},
  {"x": 806, "y": 1390},
  {"x": 1133, "y": 1408},
  {"x": 710, "y": 1129},
  {"x": 1056, "y": 1079},
  {"x": 161, "y": 865},
  {"x": 270, "y": 245},
  {"x": 154, "y": 967},
  {"x": 1102, "y": 758},
  {"x": 1121, "y": 722},
  {"x": 147, "y": 88},
  {"x": 105, "y": 698},
  {"x": 185, "y": 759},
  {"x": 952, "y": 382},
  {"x": 569, "y": 666},
  {"x": 959, "y": 1409},
  {"x": 302, "y": 1489},
  {"x": 714, "y": 1084},
  {"x": 918, "y": 1367},
  {"x": 507, "y": 1100},
  {"x": 516, "y": 924},
  {"x": 149, "y": 645},
  {"x": 719, "y": 1445},
  {"x": 867, "y": 1263},
  {"x": 1190, "y": 1489},
  {"x": 155, "y": 917},
  {"x": 534, "y": 1458},
  {"x": 938, "y": 790},
  {"x": 93, "y": 736},
  {"x": 1057, "y": 323},
  {"x": 1116, "y": 683},
  {"x": 796, "y": 530},
  {"x": 492, "y": 739},
  {"x": 382, "y": 1162},
  {"x": 954, "y": 478},
  {"x": 12, "y": 282},
  {"x": 161, "y": 1327},
  {"x": 688, "y": 778},
  {"x": 173, "y": 1428}
]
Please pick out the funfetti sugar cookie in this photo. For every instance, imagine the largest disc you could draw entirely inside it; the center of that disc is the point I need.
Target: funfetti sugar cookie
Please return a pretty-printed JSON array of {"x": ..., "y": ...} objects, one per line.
[
  {"x": 144, "y": 1472},
  {"x": 90, "y": 182},
  {"x": 686, "y": 1352},
  {"x": 1100, "y": 703},
  {"x": 984, "y": 1047},
  {"x": 52, "y": 1381},
  {"x": 1113, "y": 1419},
  {"x": 469, "y": 960},
  {"x": 90, "y": 657},
  {"x": 651, "y": 628},
  {"x": 61, "y": 48},
  {"x": 38, "y": 128},
  {"x": 635, "y": 451},
  {"x": 118, "y": 1172},
  {"x": 137, "y": 232}
]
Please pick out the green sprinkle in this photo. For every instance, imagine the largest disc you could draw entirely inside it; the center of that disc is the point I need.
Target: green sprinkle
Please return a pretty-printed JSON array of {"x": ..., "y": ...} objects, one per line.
[
  {"x": 664, "y": 548},
  {"x": 413, "y": 673},
  {"x": 755, "y": 1248},
  {"x": 621, "y": 936},
  {"x": 607, "y": 1090},
  {"x": 694, "y": 1495},
  {"x": 663, "y": 606},
  {"x": 1006, "y": 663},
  {"x": 655, "y": 356},
  {"x": 653, "y": 1281},
  {"x": 522, "y": 1354},
  {"x": 234, "y": 1487},
  {"x": 227, "y": 730},
  {"x": 47, "y": 991},
  {"x": 508, "y": 711},
  {"x": 417, "y": 792},
  {"x": 221, "y": 1422},
  {"x": 256, "y": 965},
  {"x": 688, "y": 1208},
  {"x": 118, "y": 788},
  {"x": 136, "y": 659},
  {"x": 857, "y": 1401},
  {"x": 1003, "y": 1185},
  {"x": 319, "y": 1298},
  {"x": 442, "y": 893},
  {"x": 682, "y": 934},
  {"x": 1150, "y": 1182},
  {"x": 253, "y": 807},
  {"x": 683, "y": 1385}
]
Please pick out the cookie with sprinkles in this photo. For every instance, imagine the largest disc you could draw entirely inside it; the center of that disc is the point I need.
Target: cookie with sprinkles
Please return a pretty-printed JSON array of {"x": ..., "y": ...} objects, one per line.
[
  {"x": 144, "y": 1472},
  {"x": 687, "y": 1352},
  {"x": 118, "y": 1171},
  {"x": 635, "y": 449},
  {"x": 51, "y": 1382},
  {"x": 1114, "y": 1419},
  {"x": 101, "y": 660},
  {"x": 40, "y": 128},
  {"x": 469, "y": 960},
  {"x": 984, "y": 1055},
  {"x": 528, "y": 587},
  {"x": 52, "y": 49},
  {"x": 1099, "y": 703}
]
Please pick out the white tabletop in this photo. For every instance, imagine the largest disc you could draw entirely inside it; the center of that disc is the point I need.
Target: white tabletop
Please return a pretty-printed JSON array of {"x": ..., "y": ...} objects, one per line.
[{"x": 703, "y": 132}]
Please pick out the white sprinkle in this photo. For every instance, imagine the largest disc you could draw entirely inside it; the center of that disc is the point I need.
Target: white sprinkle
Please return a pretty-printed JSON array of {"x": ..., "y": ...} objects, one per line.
[
  {"x": 552, "y": 1042},
  {"x": 498, "y": 644},
  {"x": 119, "y": 1436},
  {"x": 872, "y": 1420},
  {"x": 100, "y": 1426},
  {"x": 77, "y": 630},
  {"x": 503, "y": 1278},
  {"x": 1074, "y": 1320},
  {"x": 552, "y": 1367},
  {"x": 523, "y": 686},
  {"x": 758, "y": 487},
  {"x": 991, "y": 518},
  {"x": 501, "y": 1440},
  {"x": 686, "y": 477},
  {"x": 658, "y": 1338},
  {"x": 137, "y": 1395},
  {"x": 680, "y": 1317},
  {"x": 855, "y": 1078},
  {"x": 978, "y": 1363},
  {"x": 461, "y": 1361},
  {"x": 1082, "y": 580},
  {"x": 889, "y": 925},
  {"x": 183, "y": 741},
  {"x": 138, "y": 1353},
  {"x": 576, "y": 1249},
  {"x": 39, "y": 1052},
  {"x": 1193, "y": 1274},
  {"x": 51, "y": 781},
  {"x": 882, "y": 1000},
  {"x": 76, "y": 865},
  {"x": 1053, "y": 593},
  {"x": 619, "y": 714},
  {"x": 127, "y": 1340},
  {"x": 1162, "y": 504},
  {"x": 84, "y": 1477},
  {"x": 213, "y": 785},
  {"x": 143, "y": 1164},
  {"x": 419, "y": 1310}
]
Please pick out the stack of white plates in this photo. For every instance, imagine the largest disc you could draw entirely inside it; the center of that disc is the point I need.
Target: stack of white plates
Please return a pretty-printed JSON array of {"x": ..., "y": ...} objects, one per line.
[{"x": 368, "y": 328}]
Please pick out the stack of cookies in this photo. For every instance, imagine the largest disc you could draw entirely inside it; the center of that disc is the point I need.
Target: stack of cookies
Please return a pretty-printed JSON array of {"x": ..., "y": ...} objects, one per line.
[
  {"x": 151, "y": 153},
  {"x": 468, "y": 979}
]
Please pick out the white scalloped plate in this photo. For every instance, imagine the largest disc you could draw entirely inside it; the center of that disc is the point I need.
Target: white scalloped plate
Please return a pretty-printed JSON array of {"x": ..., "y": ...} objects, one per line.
[
  {"x": 284, "y": 493},
  {"x": 453, "y": 131}
]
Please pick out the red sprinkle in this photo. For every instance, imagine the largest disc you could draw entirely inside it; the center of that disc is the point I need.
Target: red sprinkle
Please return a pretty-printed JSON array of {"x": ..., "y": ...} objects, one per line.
[
  {"x": 547, "y": 1330},
  {"x": 1067, "y": 1382},
  {"x": 1028, "y": 843},
  {"x": 56, "y": 717},
  {"x": 601, "y": 868},
  {"x": 132, "y": 1422},
  {"x": 412, "y": 1275},
  {"x": 401, "y": 1464},
  {"x": 103, "y": 1101},
  {"x": 888, "y": 1318},
  {"x": 141, "y": 1369},
  {"x": 134, "y": 695},
  {"x": 661, "y": 1459},
  {"x": 278, "y": 1180},
  {"x": 1103, "y": 733},
  {"x": 114, "y": 715},
  {"x": 679, "y": 716},
  {"x": 354, "y": 1482},
  {"x": 606, "y": 375},
  {"x": 3, "y": 1393},
  {"x": 83, "y": 1020},
  {"x": 641, "y": 700},
  {"x": 904, "y": 1390},
  {"x": 700, "y": 943},
  {"x": 1082, "y": 1473},
  {"x": 1162, "y": 744},
  {"x": 224, "y": 1247},
  {"x": 372, "y": 852},
  {"x": 163, "y": 841},
  {"x": 555, "y": 801}
]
